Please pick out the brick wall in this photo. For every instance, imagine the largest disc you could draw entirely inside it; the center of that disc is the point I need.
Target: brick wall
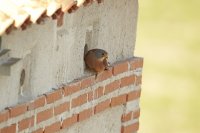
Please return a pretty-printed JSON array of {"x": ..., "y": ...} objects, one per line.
[{"x": 80, "y": 100}]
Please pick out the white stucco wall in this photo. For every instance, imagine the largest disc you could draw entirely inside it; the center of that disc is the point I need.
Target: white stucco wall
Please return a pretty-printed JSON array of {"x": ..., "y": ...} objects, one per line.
[
  {"x": 108, "y": 121},
  {"x": 52, "y": 56}
]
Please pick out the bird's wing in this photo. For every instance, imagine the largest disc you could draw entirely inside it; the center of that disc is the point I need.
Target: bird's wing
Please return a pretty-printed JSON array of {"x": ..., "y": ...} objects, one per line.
[{"x": 105, "y": 62}]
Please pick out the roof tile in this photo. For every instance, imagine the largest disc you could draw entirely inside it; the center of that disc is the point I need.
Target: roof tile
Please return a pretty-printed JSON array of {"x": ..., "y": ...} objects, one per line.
[{"x": 21, "y": 13}]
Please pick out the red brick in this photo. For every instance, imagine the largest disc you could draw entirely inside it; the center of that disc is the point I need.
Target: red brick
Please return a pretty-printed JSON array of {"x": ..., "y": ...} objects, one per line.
[
  {"x": 55, "y": 127},
  {"x": 130, "y": 128},
  {"x": 136, "y": 114},
  {"x": 26, "y": 123},
  {"x": 90, "y": 96},
  {"x": 39, "y": 102},
  {"x": 102, "y": 106},
  {"x": 112, "y": 86},
  {"x": 4, "y": 115},
  {"x": 120, "y": 67},
  {"x": 133, "y": 95},
  {"x": 53, "y": 96},
  {"x": 104, "y": 75},
  {"x": 44, "y": 115},
  {"x": 61, "y": 108},
  {"x": 126, "y": 117},
  {"x": 138, "y": 80},
  {"x": 70, "y": 121},
  {"x": 40, "y": 130},
  {"x": 79, "y": 100},
  {"x": 72, "y": 88},
  {"x": 136, "y": 63},
  {"x": 18, "y": 110},
  {"x": 126, "y": 81},
  {"x": 9, "y": 129},
  {"x": 88, "y": 81},
  {"x": 118, "y": 100},
  {"x": 99, "y": 92},
  {"x": 85, "y": 114}
]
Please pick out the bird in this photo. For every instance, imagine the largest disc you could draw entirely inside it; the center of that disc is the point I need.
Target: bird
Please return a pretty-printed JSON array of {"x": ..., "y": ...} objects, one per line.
[{"x": 96, "y": 60}]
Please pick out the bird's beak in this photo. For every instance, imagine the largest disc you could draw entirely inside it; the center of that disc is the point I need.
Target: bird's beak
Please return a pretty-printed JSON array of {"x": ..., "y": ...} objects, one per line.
[{"x": 106, "y": 56}]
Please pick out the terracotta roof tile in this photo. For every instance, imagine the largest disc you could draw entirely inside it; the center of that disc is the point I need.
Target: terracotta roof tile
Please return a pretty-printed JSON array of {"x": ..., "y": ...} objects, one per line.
[
  {"x": 5, "y": 22},
  {"x": 19, "y": 14}
]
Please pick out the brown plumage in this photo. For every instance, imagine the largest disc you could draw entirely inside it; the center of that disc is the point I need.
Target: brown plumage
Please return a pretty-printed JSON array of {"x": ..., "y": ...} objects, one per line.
[{"x": 96, "y": 60}]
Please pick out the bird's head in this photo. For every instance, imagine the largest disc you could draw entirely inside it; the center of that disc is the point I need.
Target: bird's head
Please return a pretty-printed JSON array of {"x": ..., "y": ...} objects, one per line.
[{"x": 101, "y": 54}]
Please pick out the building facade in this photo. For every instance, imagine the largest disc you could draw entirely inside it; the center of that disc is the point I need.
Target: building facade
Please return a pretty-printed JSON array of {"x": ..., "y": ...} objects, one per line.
[{"x": 45, "y": 85}]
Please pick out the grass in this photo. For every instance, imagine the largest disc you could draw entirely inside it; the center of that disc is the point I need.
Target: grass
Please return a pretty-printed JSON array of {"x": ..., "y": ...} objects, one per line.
[{"x": 168, "y": 39}]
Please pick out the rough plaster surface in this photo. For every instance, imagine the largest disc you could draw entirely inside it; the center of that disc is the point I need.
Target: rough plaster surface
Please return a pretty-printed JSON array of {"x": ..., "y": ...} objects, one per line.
[
  {"x": 108, "y": 121},
  {"x": 53, "y": 55}
]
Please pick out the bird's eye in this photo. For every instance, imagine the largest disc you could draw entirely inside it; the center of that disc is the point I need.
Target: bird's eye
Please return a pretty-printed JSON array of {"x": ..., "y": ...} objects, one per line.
[{"x": 103, "y": 54}]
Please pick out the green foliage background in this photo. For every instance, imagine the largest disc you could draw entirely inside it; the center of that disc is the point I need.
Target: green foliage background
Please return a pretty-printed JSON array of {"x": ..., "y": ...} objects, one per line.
[{"x": 169, "y": 40}]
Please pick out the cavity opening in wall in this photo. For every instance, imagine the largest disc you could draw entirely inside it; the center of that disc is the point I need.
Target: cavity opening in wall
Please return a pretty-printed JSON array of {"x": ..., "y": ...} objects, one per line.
[
  {"x": 85, "y": 52},
  {"x": 95, "y": 37},
  {"x": 88, "y": 43},
  {"x": 89, "y": 37},
  {"x": 85, "y": 49},
  {"x": 25, "y": 92},
  {"x": 22, "y": 77}
]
